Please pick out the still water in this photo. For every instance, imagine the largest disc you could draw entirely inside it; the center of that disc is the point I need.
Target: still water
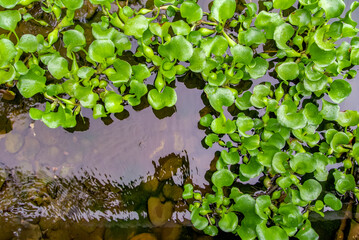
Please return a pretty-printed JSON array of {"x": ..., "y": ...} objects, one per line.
[{"x": 116, "y": 178}]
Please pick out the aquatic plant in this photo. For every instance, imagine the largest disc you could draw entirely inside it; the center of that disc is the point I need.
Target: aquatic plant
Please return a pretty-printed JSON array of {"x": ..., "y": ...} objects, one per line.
[{"x": 286, "y": 134}]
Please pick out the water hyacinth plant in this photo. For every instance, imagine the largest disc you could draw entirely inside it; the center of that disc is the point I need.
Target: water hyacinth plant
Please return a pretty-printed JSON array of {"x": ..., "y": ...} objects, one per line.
[{"x": 285, "y": 133}]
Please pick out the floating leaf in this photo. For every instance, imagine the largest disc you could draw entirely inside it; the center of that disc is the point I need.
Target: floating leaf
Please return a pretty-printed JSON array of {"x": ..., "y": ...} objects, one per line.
[
  {"x": 253, "y": 36},
  {"x": 302, "y": 163},
  {"x": 339, "y": 90},
  {"x": 274, "y": 232},
  {"x": 330, "y": 111},
  {"x": 332, "y": 8},
  {"x": 257, "y": 68},
  {"x": 99, "y": 111},
  {"x": 219, "y": 97},
  {"x": 7, "y": 53},
  {"x": 228, "y": 222},
  {"x": 178, "y": 48},
  {"x": 282, "y": 34},
  {"x": 33, "y": 82},
  {"x": 191, "y": 11},
  {"x": 180, "y": 28},
  {"x": 343, "y": 182},
  {"x": 9, "y": 19},
  {"x": 136, "y": 26},
  {"x": 244, "y": 124},
  {"x": 73, "y": 4},
  {"x": 348, "y": 118},
  {"x": 159, "y": 100},
  {"x": 252, "y": 169},
  {"x": 288, "y": 71},
  {"x": 291, "y": 215},
  {"x": 279, "y": 162},
  {"x": 122, "y": 74},
  {"x": 223, "y": 9},
  {"x": 283, "y": 4},
  {"x": 300, "y": 17},
  {"x": 338, "y": 140},
  {"x": 332, "y": 201},
  {"x": 223, "y": 126},
  {"x": 230, "y": 157},
  {"x": 87, "y": 97},
  {"x": 8, "y": 3},
  {"x": 320, "y": 57},
  {"x": 113, "y": 103},
  {"x": 223, "y": 178},
  {"x": 288, "y": 116},
  {"x": 242, "y": 54},
  {"x": 310, "y": 190},
  {"x": 268, "y": 21},
  {"x": 58, "y": 67},
  {"x": 28, "y": 43},
  {"x": 217, "y": 45},
  {"x": 99, "y": 50}
]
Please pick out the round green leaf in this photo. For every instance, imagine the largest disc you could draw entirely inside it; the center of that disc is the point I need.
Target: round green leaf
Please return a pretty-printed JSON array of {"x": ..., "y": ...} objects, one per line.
[
  {"x": 242, "y": 54},
  {"x": 58, "y": 67},
  {"x": 344, "y": 182},
  {"x": 191, "y": 11},
  {"x": 198, "y": 221},
  {"x": 230, "y": 157},
  {"x": 283, "y": 4},
  {"x": 113, "y": 103},
  {"x": 99, "y": 50},
  {"x": 333, "y": 202},
  {"x": 300, "y": 17},
  {"x": 257, "y": 68},
  {"x": 9, "y": 19},
  {"x": 223, "y": 126},
  {"x": 348, "y": 118},
  {"x": 302, "y": 163},
  {"x": 28, "y": 43},
  {"x": 180, "y": 28},
  {"x": 7, "y": 52},
  {"x": 211, "y": 231},
  {"x": 159, "y": 100},
  {"x": 223, "y": 9},
  {"x": 73, "y": 4},
  {"x": 33, "y": 82},
  {"x": 282, "y": 34},
  {"x": 219, "y": 97},
  {"x": 292, "y": 217},
  {"x": 330, "y": 111},
  {"x": 136, "y": 26},
  {"x": 320, "y": 57},
  {"x": 310, "y": 190},
  {"x": 228, "y": 222},
  {"x": 99, "y": 111},
  {"x": 339, "y": 90},
  {"x": 288, "y": 116},
  {"x": 74, "y": 40},
  {"x": 252, "y": 169},
  {"x": 274, "y": 232},
  {"x": 8, "y": 3},
  {"x": 268, "y": 21},
  {"x": 244, "y": 124},
  {"x": 337, "y": 140},
  {"x": 279, "y": 162},
  {"x": 253, "y": 36},
  {"x": 332, "y": 8},
  {"x": 123, "y": 73},
  {"x": 223, "y": 178},
  {"x": 178, "y": 48},
  {"x": 288, "y": 71},
  {"x": 87, "y": 97}
]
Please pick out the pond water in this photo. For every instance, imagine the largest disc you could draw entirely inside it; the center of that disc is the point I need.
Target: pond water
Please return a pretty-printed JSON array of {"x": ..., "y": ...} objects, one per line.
[{"x": 114, "y": 178}]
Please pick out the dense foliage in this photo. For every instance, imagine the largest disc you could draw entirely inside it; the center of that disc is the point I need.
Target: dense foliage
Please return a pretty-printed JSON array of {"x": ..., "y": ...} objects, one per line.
[{"x": 288, "y": 134}]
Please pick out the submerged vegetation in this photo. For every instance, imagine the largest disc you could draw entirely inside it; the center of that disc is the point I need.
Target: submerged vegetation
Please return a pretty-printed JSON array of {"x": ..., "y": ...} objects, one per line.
[{"x": 289, "y": 133}]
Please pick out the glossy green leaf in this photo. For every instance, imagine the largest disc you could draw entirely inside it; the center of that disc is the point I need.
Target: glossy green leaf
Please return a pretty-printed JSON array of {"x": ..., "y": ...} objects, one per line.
[
  {"x": 198, "y": 60},
  {"x": 74, "y": 40},
  {"x": 223, "y": 178},
  {"x": 323, "y": 42},
  {"x": 312, "y": 114},
  {"x": 178, "y": 48},
  {"x": 140, "y": 72},
  {"x": 159, "y": 100},
  {"x": 274, "y": 232},
  {"x": 191, "y": 11},
  {"x": 8, "y": 3},
  {"x": 306, "y": 232},
  {"x": 339, "y": 90},
  {"x": 9, "y": 19},
  {"x": 123, "y": 73},
  {"x": 228, "y": 222},
  {"x": 348, "y": 118},
  {"x": 343, "y": 182},
  {"x": 257, "y": 68},
  {"x": 230, "y": 158},
  {"x": 288, "y": 116},
  {"x": 219, "y": 97},
  {"x": 338, "y": 140},
  {"x": 320, "y": 57},
  {"x": 283, "y": 4},
  {"x": 252, "y": 169},
  {"x": 242, "y": 54},
  {"x": 99, "y": 50},
  {"x": 310, "y": 190},
  {"x": 223, "y": 126},
  {"x": 87, "y": 97},
  {"x": 268, "y": 21},
  {"x": 7, "y": 52},
  {"x": 35, "y": 114},
  {"x": 58, "y": 67},
  {"x": 28, "y": 43},
  {"x": 332, "y": 8},
  {"x": 244, "y": 124},
  {"x": 243, "y": 102},
  {"x": 136, "y": 26},
  {"x": 253, "y": 36},
  {"x": 113, "y": 103},
  {"x": 288, "y": 71},
  {"x": 73, "y": 4},
  {"x": 139, "y": 89},
  {"x": 291, "y": 215},
  {"x": 180, "y": 28},
  {"x": 280, "y": 162},
  {"x": 33, "y": 82},
  {"x": 330, "y": 111},
  {"x": 223, "y": 9},
  {"x": 217, "y": 45},
  {"x": 282, "y": 34},
  {"x": 300, "y": 17},
  {"x": 332, "y": 201},
  {"x": 302, "y": 163},
  {"x": 211, "y": 231},
  {"x": 99, "y": 111}
]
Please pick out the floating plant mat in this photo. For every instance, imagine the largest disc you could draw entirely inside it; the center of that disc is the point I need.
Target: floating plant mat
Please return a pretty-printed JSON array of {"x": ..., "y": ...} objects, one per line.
[{"x": 260, "y": 88}]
